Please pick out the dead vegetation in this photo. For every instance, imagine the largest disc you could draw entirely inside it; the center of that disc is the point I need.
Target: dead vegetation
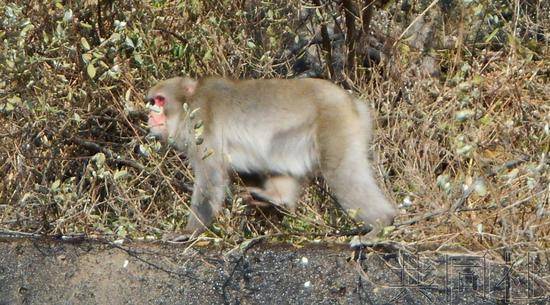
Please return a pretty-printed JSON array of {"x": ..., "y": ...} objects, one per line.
[{"x": 461, "y": 96}]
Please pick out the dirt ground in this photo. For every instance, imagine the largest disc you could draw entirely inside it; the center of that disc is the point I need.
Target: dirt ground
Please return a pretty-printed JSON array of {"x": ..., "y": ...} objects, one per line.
[{"x": 39, "y": 271}]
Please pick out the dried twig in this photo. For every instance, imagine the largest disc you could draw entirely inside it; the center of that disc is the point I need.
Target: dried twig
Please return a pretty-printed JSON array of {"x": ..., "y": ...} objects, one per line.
[
  {"x": 110, "y": 154},
  {"x": 429, "y": 215},
  {"x": 176, "y": 35},
  {"x": 350, "y": 11},
  {"x": 327, "y": 46},
  {"x": 421, "y": 15},
  {"x": 122, "y": 161}
]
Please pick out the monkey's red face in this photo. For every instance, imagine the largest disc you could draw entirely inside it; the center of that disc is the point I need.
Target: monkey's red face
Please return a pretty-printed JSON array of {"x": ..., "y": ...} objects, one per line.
[
  {"x": 157, "y": 117},
  {"x": 158, "y": 100},
  {"x": 165, "y": 102}
]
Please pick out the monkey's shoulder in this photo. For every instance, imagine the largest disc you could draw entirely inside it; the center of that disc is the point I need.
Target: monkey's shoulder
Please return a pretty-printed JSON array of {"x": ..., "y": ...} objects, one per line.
[
  {"x": 216, "y": 83},
  {"x": 285, "y": 93},
  {"x": 240, "y": 84}
]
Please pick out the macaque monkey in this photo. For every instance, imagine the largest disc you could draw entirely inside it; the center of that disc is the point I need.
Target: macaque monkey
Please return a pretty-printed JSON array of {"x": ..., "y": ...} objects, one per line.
[{"x": 284, "y": 130}]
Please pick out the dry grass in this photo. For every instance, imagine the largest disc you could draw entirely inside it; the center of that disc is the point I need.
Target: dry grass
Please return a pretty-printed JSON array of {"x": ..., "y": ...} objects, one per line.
[{"x": 469, "y": 150}]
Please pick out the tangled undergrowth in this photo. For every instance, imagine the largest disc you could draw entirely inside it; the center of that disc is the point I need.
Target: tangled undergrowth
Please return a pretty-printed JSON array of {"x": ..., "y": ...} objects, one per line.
[{"x": 464, "y": 153}]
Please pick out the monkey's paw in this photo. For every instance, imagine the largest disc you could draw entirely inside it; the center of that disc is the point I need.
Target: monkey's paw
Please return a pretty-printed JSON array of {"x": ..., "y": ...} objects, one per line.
[
  {"x": 178, "y": 237},
  {"x": 251, "y": 199},
  {"x": 359, "y": 243}
]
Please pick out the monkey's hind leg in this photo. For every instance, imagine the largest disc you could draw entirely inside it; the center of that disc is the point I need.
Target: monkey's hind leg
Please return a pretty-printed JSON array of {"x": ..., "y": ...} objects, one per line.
[{"x": 344, "y": 164}]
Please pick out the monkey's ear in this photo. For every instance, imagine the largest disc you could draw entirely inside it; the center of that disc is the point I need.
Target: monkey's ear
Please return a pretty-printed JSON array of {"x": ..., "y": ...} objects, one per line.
[{"x": 188, "y": 86}]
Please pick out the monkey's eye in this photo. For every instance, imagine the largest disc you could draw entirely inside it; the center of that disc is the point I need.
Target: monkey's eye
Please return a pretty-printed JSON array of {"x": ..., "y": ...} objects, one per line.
[{"x": 159, "y": 100}]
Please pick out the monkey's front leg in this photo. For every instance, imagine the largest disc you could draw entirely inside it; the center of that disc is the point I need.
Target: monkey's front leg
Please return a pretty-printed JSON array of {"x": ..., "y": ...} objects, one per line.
[{"x": 208, "y": 194}]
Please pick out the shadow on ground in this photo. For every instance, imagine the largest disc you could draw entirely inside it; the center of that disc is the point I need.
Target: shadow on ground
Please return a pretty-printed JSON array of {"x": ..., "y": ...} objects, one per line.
[{"x": 36, "y": 271}]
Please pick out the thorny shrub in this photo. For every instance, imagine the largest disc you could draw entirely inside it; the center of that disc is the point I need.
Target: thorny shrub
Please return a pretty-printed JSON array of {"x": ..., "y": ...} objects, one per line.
[{"x": 464, "y": 154}]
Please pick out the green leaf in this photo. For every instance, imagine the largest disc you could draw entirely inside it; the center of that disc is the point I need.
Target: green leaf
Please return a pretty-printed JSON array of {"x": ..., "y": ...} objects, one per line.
[
  {"x": 245, "y": 244},
  {"x": 10, "y": 104},
  {"x": 87, "y": 57},
  {"x": 465, "y": 150},
  {"x": 480, "y": 187},
  {"x": 85, "y": 44},
  {"x": 492, "y": 35},
  {"x": 464, "y": 115},
  {"x": 127, "y": 95},
  {"x": 115, "y": 37},
  {"x": 103, "y": 64},
  {"x": 55, "y": 185},
  {"x": 68, "y": 15},
  {"x": 86, "y": 26},
  {"x": 99, "y": 159},
  {"x": 26, "y": 29},
  {"x": 250, "y": 44},
  {"x": 98, "y": 54},
  {"x": 121, "y": 174},
  {"x": 145, "y": 150},
  {"x": 91, "y": 70},
  {"x": 138, "y": 59},
  {"x": 14, "y": 100},
  {"x": 8, "y": 107},
  {"x": 485, "y": 120},
  {"x": 130, "y": 43},
  {"x": 59, "y": 30},
  {"x": 387, "y": 231},
  {"x": 121, "y": 231},
  {"x": 207, "y": 56}
]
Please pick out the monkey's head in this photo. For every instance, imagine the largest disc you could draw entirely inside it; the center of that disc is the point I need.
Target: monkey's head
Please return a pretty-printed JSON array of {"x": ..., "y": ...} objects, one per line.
[{"x": 165, "y": 101}]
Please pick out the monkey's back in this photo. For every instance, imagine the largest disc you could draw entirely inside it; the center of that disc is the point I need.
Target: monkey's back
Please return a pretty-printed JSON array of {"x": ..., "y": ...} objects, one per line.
[
  {"x": 272, "y": 125},
  {"x": 289, "y": 98}
]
